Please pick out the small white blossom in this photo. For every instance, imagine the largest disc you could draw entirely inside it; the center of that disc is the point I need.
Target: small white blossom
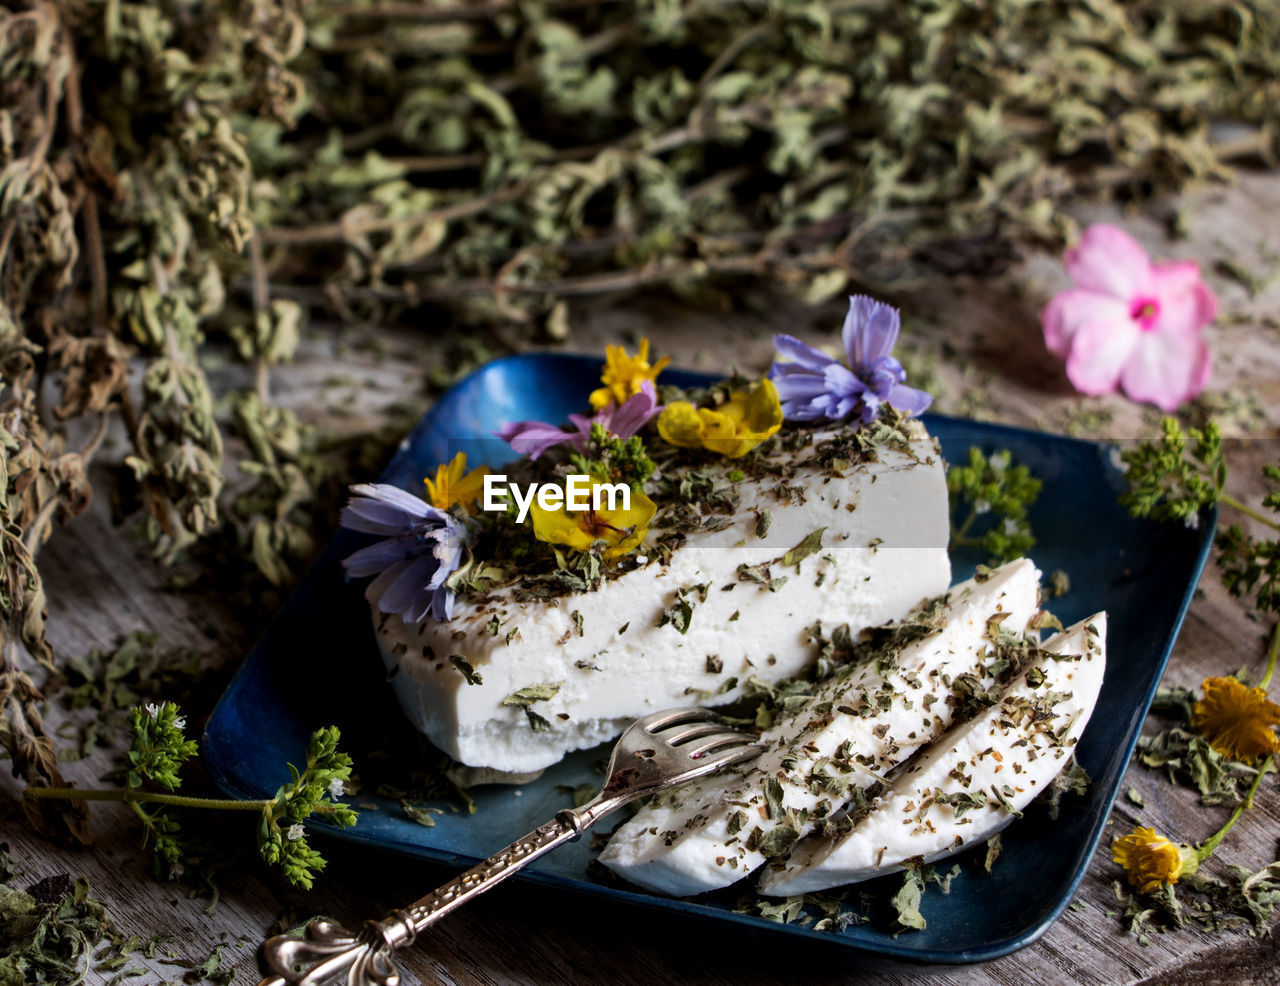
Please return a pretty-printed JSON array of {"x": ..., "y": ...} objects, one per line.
[
  {"x": 180, "y": 723},
  {"x": 175, "y": 871},
  {"x": 1192, "y": 520},
  {"x": 152, "y": 710},
  {"x": 336, "y": 789},
  {"x": 295, "y": 832},
  {"x": 981, "y": 507}
]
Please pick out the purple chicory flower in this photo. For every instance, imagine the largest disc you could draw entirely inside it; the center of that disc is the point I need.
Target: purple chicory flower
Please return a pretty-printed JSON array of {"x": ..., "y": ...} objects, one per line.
[
  {"x": 815, "y": 387},
  {"x": 422, "y": 547},
  {"x": 532, "y": 438}
]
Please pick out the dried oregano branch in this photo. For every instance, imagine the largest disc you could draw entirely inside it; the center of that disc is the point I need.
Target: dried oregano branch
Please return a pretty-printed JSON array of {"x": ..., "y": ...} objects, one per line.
[
  {"x": 125, "y": 194},
  {"x": 497, "y": 166},
  {"x": 40, "y": 482}
]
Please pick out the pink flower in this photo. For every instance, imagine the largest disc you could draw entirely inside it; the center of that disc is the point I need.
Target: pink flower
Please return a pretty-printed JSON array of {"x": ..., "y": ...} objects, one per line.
[
  {"x": 1130, "y": 323},
  {"x": 532, "y": 438}
]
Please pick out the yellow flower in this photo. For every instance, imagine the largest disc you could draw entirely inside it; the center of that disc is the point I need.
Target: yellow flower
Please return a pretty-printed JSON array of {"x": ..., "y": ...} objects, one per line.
[
  {"x": 622, "y": 530},
  {"x": 453, "y": 484},
  {"x": 733, "y": 429},
  {"x": 623, "y": 375},
  {"x": 1150, "y": 860},
  {"x": 1238, "y": 721}
]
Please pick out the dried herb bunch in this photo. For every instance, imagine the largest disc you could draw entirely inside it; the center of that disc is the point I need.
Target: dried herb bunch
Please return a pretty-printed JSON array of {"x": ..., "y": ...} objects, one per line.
[
  {"x": 178, "y": 180},
  {"x": 125, "y": 194},
  {"x": 498, "y": 158}
]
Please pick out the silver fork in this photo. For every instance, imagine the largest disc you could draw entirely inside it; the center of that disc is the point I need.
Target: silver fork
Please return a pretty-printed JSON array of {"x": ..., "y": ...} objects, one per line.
[{"x": 657, "y": 752}]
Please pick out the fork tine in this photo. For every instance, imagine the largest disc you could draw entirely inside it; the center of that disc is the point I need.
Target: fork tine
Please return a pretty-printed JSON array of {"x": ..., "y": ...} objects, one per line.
[
  {"x": 728, "y": 755},
  {"x": 684, "y": 734},
  {"x": 657, "y": 721},
  {"x": 719, "y": 742}
]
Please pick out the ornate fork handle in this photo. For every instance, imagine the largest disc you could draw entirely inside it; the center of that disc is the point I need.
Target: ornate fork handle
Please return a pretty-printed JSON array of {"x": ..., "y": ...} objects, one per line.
[
  {"x": 327, "y": 952},
  {"x": 655, "y": 752}
]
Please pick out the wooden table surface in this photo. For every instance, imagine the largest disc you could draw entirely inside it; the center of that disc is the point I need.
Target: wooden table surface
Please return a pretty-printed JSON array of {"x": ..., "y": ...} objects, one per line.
[{"x": 986, "y": 340}]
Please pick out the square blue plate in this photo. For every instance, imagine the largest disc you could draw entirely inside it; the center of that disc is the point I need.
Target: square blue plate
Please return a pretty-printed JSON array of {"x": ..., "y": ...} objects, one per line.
[{"x": 318, "y": 664}]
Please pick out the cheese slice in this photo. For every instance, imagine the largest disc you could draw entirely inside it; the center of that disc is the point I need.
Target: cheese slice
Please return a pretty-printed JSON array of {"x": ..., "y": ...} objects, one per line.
[
  {"x": 601, "y": 659},
  {"x": 859, "y": 724},
  {"x": 972, "y": 783}
]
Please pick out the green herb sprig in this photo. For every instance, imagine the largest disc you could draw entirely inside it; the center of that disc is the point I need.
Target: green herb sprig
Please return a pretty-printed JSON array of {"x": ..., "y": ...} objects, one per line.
[
  {"x": 1176, "y": 476},
  {"x": 618, "y": 460},
  {"x": 156, "y": 754},
  {"x": 994, "y": 497},
  {"x": 1183, "y": 473}
]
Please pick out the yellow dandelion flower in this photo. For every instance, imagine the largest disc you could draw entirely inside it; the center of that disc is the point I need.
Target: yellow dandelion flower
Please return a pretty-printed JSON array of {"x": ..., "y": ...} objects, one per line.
[
  {"x": 733, "y": 429},
  {"x": 623, "y": 375},
  {"x": 1150, "y": 860},
  {"x": 1238, "y": 721},
  {"x": 454, "y": 485},
  {"x": 621, "y": 530}
]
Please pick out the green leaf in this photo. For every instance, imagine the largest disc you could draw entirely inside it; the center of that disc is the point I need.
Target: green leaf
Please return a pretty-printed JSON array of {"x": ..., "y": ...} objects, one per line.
[
  {"x": 811, "y": 543},
  {"x": 526, "y": 696},
  {"x": 906, "y": 903},
  {"x": 779, "y": 841}
]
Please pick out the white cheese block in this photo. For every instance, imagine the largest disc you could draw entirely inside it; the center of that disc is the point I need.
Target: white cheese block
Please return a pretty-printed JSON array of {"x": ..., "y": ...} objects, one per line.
[
  {"x": 973, "y": 782},
  {"x": 859, "y": 724},
  {"x": 883, "y": 550}
]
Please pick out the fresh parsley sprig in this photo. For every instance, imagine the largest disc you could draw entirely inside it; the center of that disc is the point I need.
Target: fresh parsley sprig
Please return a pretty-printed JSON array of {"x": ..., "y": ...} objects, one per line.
[
  {"x": 157, "y": 751},
  {"x": 998, "y": 497}
]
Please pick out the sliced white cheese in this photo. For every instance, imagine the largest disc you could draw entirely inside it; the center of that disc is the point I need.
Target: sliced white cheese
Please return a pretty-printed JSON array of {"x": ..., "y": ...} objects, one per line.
[
  {"x": 884, "y": 529},
  {"x": 973, "y": 782},
  {"x": 859, "y": 724}
]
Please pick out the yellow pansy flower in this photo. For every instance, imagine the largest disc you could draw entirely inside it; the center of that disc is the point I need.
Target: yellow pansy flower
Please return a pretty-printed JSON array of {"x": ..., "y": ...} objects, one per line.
[
  {"x": 622, "y": 530},
  {"x": 454, "y": 485},
  {"x": 1150, "y": 860},
  {"x": 623, "y": 375},
  {"x": 733, "y": 429},
  {"x": 1238, "y": 721}
]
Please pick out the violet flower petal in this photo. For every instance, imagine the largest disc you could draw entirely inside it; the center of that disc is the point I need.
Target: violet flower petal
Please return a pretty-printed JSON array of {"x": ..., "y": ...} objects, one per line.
[
  {"x": 408, "y": 585},
  {"x": 909, "y": 400},
  {"x": 799, "y": 353},
  {"x": 870, "y": 330},
  {"x": 375, "y": 558},
  {"x": 532, "y": 438},
  {"x": 403, "y": 499},
  {"x": 442, "y": 604},
  {"x": 422, "y": 546},
  {"x": 374, "y": 590},
  {"x": 375, "y": 517},
  {"x": 636, "y": 411}
]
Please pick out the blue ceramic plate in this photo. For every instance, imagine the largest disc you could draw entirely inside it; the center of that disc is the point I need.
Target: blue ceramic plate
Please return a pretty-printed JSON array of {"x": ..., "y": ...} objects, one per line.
[{"x": 1142, "y": 573}]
